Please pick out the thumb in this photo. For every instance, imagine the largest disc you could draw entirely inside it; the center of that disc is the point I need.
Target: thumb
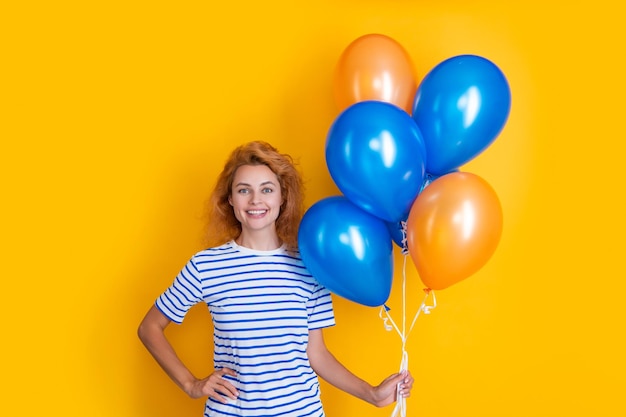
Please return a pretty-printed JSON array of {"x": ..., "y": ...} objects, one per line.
[{"x": 394, "y": 378}]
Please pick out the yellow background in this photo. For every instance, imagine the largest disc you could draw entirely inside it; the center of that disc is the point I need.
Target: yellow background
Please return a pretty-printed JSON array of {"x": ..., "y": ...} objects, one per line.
[{"x": 116, "y": 117}]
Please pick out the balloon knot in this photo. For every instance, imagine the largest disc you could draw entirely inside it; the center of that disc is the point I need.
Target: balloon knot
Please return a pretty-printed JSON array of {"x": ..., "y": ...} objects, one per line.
[{"x": 405, "y": 243}]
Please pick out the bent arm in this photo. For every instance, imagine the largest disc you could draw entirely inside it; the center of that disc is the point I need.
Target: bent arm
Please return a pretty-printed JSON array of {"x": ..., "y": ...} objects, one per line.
[
  {"x": 151, "y": 332},
  {"x": 332, "y": 371}
]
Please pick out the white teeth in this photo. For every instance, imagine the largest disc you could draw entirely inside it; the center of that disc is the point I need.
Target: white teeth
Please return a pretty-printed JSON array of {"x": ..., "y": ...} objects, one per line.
[{"x": 256, "y": 211}]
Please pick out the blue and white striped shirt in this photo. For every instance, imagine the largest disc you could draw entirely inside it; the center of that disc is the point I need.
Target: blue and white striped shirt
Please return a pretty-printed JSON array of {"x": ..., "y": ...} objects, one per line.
[{"x": 263, "y": 303}]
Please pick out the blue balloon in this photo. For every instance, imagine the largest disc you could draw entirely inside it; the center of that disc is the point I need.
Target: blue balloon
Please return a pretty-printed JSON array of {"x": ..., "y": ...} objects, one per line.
[
  {"x": 376, "y": 156},
  {"x": 460, "y": 107},
  {"x": 347, "y": 250}
]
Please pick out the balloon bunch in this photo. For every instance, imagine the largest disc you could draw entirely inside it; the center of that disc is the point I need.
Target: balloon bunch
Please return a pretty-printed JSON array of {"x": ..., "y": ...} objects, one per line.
[{"x": 394, "y": 151}]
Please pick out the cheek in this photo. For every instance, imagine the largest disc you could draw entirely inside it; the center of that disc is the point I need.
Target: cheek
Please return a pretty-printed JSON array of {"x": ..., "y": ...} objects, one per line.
[
  {"x": 235, "y": 200},
  {"x": 281, "y": 206},
  {"x": 234, "y": 204}
]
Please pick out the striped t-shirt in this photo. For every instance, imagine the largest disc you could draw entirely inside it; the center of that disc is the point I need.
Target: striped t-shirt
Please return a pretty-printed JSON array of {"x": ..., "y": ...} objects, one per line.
[{"x": 263, "y": 303}]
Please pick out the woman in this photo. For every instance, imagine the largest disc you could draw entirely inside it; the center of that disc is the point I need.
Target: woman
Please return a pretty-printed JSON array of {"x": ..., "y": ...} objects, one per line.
[{"x": 268, "y": 311}]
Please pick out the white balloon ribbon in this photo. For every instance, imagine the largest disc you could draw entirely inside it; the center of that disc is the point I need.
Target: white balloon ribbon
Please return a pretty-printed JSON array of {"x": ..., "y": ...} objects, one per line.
[{"x": 389, "y": 324}]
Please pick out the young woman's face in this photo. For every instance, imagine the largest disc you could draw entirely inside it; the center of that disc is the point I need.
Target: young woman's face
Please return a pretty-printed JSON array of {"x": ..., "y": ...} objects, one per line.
[{"x": 256, "y": 198}]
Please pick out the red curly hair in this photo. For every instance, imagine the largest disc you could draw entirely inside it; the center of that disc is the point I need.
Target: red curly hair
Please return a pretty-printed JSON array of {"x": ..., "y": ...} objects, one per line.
[{"x": 223, "y": 226}]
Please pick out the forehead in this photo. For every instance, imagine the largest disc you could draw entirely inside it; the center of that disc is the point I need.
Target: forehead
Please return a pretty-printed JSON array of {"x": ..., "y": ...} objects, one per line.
[{"x": 254, "y": 175}]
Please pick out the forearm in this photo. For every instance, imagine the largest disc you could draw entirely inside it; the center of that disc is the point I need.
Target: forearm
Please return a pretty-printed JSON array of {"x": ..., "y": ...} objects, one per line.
[
  {"x": 332, "y": 371},
  {"x": 336, "y": 374}
]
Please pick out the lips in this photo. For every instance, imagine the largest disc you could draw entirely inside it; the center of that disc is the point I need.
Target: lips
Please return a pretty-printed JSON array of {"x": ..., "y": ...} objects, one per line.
[{"x": 256, "y": 212}]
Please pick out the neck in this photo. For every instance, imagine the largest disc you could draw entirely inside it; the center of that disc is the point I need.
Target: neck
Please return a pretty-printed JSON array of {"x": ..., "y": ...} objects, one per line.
[{"x": 262, "y": 243}]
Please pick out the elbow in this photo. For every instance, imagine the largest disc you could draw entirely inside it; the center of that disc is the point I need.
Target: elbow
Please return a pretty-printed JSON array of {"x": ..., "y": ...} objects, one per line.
[
  {"x": 152, "y": 327},
  {"x": 318, "y": 359},
  {"x": 146, "y": 330},
  {"x": 142, "y": 332}
]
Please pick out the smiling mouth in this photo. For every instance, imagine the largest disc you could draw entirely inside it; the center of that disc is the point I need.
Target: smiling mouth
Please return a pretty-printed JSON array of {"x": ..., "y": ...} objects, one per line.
[{"x": 256, "y": 212}]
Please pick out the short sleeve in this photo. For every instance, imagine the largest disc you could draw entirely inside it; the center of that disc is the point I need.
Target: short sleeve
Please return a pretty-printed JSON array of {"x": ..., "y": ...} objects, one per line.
[
  {"x": 185, "y": 291},
  {"x": 320, "y": 308}
]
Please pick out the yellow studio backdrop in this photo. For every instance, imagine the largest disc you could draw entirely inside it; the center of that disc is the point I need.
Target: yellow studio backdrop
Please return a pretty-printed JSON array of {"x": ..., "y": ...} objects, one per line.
[{"x": 117, "y": 116}]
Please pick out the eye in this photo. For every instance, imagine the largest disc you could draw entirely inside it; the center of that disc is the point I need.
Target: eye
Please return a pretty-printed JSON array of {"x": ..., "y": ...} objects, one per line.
[
  {"x": 267, "y": 190},
  {"x": 243, "y": 191}
]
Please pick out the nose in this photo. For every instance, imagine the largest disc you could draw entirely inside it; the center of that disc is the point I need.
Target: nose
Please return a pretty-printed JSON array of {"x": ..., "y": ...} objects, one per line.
[{"x": 254, "y": 197}]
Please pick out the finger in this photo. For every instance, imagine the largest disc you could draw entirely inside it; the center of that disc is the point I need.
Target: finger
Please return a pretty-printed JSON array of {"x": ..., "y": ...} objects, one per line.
[
  {"x": 216, "y": 396},
  {"x": 222, "y": 385},
  {"x": 228, "y": 371},
  {"x": 408, "y": 377},
  {"x": 397, "y": 378},
  {"x": 228, "y": 389},
  {"x": 405, "y": 390},
  {"x": 393, "y": 378},
  {"x": 405, "y": 394},
  {"x": 222, "y": 392}
]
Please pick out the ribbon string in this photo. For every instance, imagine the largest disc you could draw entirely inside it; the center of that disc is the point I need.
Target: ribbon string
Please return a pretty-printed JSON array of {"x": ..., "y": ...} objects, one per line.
[{"x": 390, "y": 324}]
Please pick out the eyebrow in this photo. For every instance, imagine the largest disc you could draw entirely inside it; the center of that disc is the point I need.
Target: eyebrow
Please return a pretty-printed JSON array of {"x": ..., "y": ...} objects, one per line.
[{"x": 249, "y": 185}]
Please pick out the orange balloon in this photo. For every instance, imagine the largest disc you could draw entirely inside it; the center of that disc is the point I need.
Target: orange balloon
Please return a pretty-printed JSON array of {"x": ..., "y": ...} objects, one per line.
[
  {"x": 375, "y": 67},
  {"x": 453, "y": 228}
]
